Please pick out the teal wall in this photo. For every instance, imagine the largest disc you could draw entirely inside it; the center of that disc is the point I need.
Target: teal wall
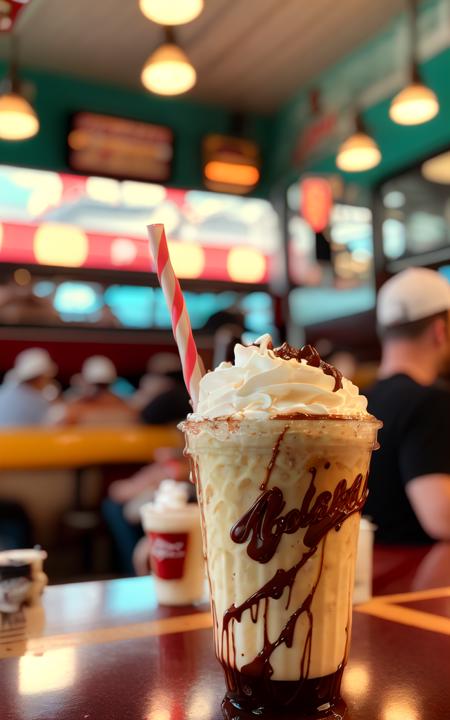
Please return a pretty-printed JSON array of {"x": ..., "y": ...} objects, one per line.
[
  {"x": 400, "y": 146},
  {"x": 57, "y": 96},
  {"x": 342, "y": 86}
]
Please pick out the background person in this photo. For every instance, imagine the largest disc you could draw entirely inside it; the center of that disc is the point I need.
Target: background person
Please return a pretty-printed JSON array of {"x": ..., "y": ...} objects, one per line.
[
  {"x": 23, "y": 397},
  {"x": 162, "y": 373},
  {"x": 97, "y": 404},
  {"x": 24, "y": 401},
  {"x": 409, "y": 483}
]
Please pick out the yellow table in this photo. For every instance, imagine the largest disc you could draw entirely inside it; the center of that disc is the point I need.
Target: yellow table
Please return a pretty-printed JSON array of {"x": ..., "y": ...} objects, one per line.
[{"x": 29, "y": 448}]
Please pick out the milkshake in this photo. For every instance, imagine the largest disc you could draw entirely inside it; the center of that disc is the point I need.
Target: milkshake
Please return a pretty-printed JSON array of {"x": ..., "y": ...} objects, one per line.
[
  {"x": 280, "y": 446},
  {"x": 172, "y": 525}
]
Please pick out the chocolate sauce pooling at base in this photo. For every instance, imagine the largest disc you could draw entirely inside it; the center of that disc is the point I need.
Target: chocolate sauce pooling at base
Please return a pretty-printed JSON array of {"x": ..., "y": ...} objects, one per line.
[{"x": 310, "y": 699}]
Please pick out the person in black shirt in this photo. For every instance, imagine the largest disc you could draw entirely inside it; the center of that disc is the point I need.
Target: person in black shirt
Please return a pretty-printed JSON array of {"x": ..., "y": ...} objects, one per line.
[{"x": 409, "y": 482}]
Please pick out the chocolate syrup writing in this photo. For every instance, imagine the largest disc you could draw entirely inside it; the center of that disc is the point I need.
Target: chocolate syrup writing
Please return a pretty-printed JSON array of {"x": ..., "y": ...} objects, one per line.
[{"x": 263, "y": 525}]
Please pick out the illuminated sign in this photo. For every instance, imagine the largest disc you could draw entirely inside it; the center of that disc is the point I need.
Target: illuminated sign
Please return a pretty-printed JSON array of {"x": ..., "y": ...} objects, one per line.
[
  {"x": 316, "y": 202},
  {"x": 74, "y": 221},
  {"x": 118, "y": 147},
  {"x": 60, "y": 245},
  {"x": 230, "y": 164}
]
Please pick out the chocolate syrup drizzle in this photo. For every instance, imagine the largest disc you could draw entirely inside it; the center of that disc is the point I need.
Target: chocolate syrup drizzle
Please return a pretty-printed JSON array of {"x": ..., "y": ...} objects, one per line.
[
  {"x": 263, "y": 525},
  {"x": 273, "y": 459},
  {"x": 262, "y": 528},
  {"x": 312, "y": 357}
]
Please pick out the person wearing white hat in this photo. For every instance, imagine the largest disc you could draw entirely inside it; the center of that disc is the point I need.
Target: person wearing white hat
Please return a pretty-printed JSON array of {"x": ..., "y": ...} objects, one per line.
[
  {"x": 98, "y": 405},
  {"x": 409, "y": 482},
  {"x": 22, "y": 395}
]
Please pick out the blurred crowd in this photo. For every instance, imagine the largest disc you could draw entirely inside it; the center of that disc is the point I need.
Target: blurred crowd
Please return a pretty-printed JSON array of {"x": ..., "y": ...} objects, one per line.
[
  {"x": 31, "y": 396},
  {"x": 409, "y": 482}
]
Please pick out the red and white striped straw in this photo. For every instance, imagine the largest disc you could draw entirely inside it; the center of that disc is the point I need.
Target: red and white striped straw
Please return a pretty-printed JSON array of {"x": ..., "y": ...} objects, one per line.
[{"x": 191, "y": 362}]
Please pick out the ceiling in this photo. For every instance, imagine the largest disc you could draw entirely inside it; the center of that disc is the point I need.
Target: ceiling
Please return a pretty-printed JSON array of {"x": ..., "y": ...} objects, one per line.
[{"x": 249, "y": 54}]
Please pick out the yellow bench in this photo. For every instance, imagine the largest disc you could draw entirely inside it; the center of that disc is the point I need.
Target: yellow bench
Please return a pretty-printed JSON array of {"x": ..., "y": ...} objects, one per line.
[{"x": 77, "y": 447}]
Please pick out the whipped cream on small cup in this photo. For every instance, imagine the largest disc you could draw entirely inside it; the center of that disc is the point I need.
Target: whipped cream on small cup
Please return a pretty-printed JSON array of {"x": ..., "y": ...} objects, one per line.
[
  {"x": 172, "y": 526},
  {"x": 267, "y": 382},
  {"x": 171, "y": 495}
]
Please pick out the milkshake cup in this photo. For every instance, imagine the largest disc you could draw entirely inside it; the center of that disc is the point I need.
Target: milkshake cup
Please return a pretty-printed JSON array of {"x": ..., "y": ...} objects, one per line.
[
  {"x": 280, "y": 451},
  {"x": 172, "y": 526}
]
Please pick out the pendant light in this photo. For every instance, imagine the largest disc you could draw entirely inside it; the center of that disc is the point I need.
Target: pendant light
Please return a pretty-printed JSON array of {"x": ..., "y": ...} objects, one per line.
[
  {"x": 168, "y": 70},
  {"x": 416, "y": 103},
  {"x": 18, "y": 120},
  {"x": 171, "y": 12},
  {"x": 359, "y": 152}
]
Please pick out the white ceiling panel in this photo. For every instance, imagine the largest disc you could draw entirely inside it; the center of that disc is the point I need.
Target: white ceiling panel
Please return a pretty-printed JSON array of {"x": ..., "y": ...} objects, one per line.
[{"x": 249, "y": 54}]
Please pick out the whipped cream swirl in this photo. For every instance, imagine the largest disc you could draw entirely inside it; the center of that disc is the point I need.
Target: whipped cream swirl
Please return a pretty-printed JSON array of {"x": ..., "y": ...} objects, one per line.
[
  {"x": 171, "y": 495},
  {"x": 261, "y": 385}
]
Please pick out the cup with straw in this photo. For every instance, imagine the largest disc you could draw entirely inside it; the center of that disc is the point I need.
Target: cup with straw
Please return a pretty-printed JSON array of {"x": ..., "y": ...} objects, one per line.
[{"x": 280, "y": 498}]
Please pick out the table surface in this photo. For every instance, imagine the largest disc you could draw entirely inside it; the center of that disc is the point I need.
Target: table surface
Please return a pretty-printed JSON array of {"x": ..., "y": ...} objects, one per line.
[
  {"x": 108, "y": 652},
  {"x": 34, "y": 448}
]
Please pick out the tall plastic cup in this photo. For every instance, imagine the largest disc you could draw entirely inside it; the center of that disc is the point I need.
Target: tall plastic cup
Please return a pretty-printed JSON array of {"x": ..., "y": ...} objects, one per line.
[{"x": 280, "y": 501}]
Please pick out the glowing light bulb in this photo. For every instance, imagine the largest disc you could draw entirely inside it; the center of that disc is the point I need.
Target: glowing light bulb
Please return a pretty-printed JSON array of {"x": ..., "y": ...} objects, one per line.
[
  {"x": 358, "y": 153},
  {"x": 437, "y": 169},
  {"x": 414, "y": 105},
  {"x": 171, "y": 12},
  {"x": 168, "y": 71},
  {"x": 18, "y": 120}
]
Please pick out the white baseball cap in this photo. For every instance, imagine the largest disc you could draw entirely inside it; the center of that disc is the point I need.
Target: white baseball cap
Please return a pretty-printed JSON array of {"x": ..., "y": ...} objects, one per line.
[
  {"x": 413, "y": 294},
  {"x": 98, "y": 370},
  {"x": 33, "y": 363}
]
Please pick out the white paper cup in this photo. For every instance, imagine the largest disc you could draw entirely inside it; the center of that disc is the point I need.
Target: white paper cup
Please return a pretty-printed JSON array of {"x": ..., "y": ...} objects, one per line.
[{"x": 175, "y": 551}]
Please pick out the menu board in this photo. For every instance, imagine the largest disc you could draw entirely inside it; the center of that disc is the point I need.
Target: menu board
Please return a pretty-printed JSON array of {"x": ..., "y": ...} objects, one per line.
[{"x": 119, "y": 147}]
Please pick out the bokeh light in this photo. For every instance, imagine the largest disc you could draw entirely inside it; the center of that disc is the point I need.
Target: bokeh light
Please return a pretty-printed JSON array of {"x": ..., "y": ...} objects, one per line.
[
  {"x": 103, "y": 190},
  {"x": 123, "y": 251},
  {"x": 58, "y": 244},
  {"x": 246, "y": 265},
  {"x": 22, "y": 277},
  {"x": 188, "y": 260}
]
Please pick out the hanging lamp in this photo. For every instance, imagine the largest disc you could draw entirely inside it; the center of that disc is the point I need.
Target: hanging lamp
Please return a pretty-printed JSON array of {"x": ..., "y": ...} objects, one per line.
[
  {"x": 171, "y": 12},
  {"x": 359, "y": 152},
  {"x": 416, "y": 103},
  {"x": 168, "y": 70},
  {"x": 18, "y": 119}
]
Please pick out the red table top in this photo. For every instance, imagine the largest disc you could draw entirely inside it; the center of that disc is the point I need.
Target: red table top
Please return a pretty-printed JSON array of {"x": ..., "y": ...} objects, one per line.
[{"x": 107, "y": 652}]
